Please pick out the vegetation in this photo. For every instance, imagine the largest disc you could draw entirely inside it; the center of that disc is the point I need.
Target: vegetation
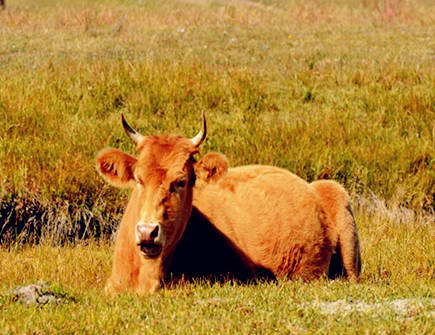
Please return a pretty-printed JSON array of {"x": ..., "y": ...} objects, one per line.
[
  {"x": 395, "y": 294},
  {"x": 337, "y": 89}
]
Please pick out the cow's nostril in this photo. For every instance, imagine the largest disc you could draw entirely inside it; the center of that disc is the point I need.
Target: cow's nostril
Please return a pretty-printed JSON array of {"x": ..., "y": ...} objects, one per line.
[
  {"x": 147, "y": 232},
  {"x": 155, "y": 232}
]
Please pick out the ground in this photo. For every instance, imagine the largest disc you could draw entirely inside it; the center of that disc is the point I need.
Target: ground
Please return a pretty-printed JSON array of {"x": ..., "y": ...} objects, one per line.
[{"x": 333, "y": 89}]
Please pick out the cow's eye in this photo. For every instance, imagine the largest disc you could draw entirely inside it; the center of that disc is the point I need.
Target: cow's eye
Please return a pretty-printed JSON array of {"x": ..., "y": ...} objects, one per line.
[
  {"x": 177, "y": 185},
  {"x": 181, "y": 184},
  {"x": 172, "y": 187}
]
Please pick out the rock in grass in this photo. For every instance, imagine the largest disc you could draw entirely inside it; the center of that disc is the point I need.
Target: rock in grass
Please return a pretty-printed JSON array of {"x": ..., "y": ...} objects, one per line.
[{"x": 34, "y": 294}]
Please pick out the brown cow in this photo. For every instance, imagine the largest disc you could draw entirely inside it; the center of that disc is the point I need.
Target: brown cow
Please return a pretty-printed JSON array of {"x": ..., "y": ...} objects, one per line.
[{"x": 188, "y": 217}]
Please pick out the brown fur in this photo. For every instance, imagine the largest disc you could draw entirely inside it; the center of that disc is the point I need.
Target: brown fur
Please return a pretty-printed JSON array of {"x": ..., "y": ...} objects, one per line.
[
  {"x": 273, "y": 216},
  {"x": 342, "y": 231},
  {"x": 269, "y": 218}
]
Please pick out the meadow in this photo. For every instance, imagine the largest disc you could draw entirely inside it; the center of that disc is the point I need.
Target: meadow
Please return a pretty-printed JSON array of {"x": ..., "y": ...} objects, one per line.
[{"x": 327, "y": 89}]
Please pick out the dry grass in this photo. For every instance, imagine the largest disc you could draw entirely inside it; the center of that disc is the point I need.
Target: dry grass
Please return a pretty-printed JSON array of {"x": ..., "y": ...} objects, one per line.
[
  {"x": 329, "y": 89},
  {"x": 395, "y": 294},
  {"x": 338, "y": 89}
]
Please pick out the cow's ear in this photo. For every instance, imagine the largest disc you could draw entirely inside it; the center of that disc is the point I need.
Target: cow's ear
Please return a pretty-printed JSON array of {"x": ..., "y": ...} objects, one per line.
[
  {"x": 116, "y": 167},
  {"x": 210, "y": 168}
]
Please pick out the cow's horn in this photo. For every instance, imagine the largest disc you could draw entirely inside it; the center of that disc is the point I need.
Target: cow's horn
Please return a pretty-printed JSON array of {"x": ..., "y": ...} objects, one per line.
[
  {"x": 133, "y": 134},
  {"x": 200, "y": 137}
]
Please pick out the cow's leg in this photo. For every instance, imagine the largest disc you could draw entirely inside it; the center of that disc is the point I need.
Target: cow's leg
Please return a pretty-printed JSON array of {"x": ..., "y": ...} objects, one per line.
[
  {"x": 147, "y": 285},
  {"x": 138, "y": 276},
  {"x": 125, "y": 267},
  {"x": 113, "y": 286},
  {"x": 121, "y": 280},
  {"x": 305, "y": 253}
]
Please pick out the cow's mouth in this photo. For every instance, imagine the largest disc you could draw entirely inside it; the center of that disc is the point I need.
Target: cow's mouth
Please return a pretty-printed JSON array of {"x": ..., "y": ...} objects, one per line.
[{"x": 150, "y": 249}]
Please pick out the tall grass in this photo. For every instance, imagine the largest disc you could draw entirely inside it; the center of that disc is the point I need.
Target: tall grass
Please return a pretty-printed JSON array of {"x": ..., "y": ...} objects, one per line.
[
  {"x": 327, "y": 89},
  {"x": 338, "y": 90}
]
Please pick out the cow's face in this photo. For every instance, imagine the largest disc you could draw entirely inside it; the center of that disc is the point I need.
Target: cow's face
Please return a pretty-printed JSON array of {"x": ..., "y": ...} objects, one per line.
[{"x": 162, "y": 178}]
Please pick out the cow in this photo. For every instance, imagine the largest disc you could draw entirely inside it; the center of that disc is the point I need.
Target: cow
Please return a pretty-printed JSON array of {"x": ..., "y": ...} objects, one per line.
[{"x": 189, "y": 217}]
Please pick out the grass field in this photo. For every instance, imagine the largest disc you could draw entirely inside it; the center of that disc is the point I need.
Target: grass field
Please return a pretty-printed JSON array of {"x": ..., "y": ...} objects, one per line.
[
  {"x": 395, "y": 294},
  {"x": 343, "y": 89}
]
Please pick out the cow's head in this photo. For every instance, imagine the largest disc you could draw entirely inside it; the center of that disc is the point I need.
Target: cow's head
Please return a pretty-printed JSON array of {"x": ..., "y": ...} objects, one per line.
[{"x": 162, "y": 176}]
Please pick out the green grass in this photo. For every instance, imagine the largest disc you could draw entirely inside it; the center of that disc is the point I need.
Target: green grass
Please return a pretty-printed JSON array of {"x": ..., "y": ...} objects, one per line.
[
  {"x": 351, "y": 92},
  {"x": 404, "y": 269},
  {"x": 338, "y": 88}
]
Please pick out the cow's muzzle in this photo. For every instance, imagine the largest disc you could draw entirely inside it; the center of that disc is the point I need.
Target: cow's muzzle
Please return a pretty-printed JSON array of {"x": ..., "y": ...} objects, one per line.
[
  {"x": 149, "y": 238},
  {"x": 150, "y": 250}
]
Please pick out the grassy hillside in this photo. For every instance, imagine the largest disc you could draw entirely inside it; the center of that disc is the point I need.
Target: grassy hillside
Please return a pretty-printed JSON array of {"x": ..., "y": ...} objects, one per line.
[
  {"x": 337, "y": 89},
  {"x": 342, "y": 89}
]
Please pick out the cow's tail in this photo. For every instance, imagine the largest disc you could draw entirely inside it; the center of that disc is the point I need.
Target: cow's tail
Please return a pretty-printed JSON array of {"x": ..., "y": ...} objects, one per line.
[{"x": 341, "y": 229}]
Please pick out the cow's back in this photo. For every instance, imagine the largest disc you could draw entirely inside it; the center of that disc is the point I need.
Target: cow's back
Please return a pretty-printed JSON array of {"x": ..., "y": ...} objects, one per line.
[{"x": 272, "y": 215}]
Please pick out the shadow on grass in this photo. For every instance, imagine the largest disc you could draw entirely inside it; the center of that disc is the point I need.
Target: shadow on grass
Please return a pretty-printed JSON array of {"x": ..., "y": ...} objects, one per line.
[
  {"x": 29, "y": 221},
  {"x": 205, "y": 254}
]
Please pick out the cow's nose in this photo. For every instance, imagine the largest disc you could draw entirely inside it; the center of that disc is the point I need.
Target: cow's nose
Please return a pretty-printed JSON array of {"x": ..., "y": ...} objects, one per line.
[{"x": 147, "y": 232}]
